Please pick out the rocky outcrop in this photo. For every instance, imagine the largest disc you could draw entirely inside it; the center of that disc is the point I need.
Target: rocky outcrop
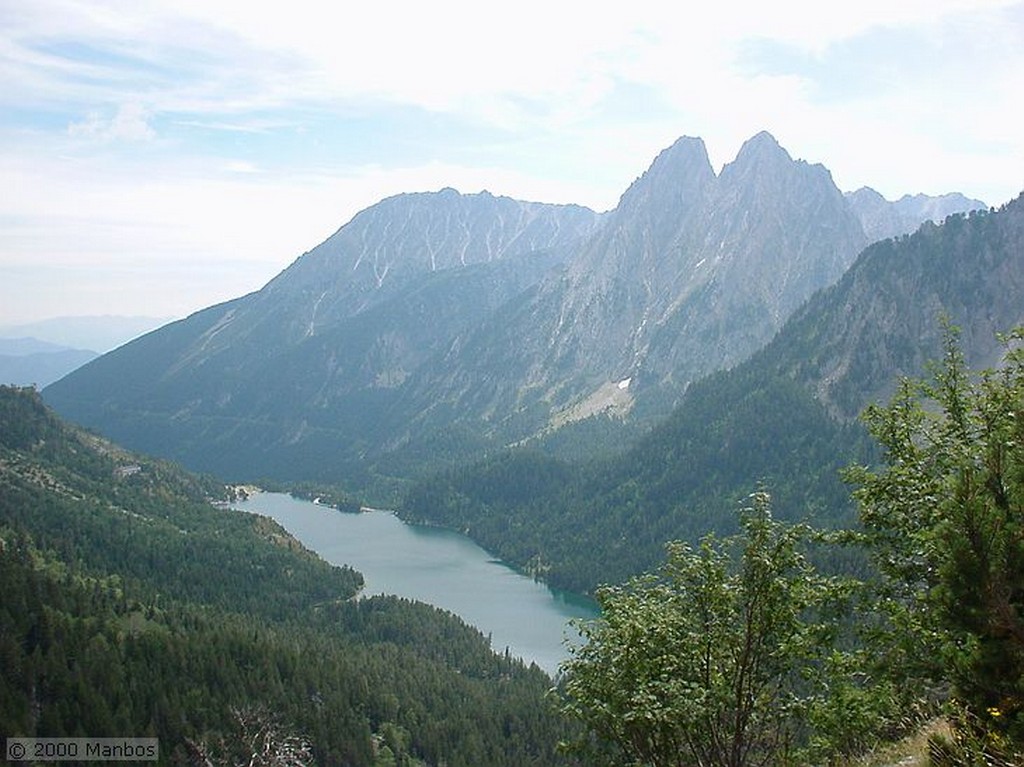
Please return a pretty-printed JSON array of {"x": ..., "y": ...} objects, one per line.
[{"x": 882, "y": 218}]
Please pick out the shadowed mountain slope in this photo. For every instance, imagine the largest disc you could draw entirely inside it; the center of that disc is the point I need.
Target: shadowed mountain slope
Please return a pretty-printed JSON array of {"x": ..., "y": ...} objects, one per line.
[
  {"x": 784, "y": 418},
  {"x": 434, "y": 327}
]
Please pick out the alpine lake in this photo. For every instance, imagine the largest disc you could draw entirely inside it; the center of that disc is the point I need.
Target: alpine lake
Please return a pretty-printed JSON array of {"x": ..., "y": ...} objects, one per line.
[{"x": 440, "y": 567}]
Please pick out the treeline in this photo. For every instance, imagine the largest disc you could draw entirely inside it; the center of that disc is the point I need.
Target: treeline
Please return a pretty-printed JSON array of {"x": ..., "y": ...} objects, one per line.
[
  {"x": 739, "y": 651},
  {"x": 132, "y": 607},
  {"x": 583, "y": 524},
  {"x": 318, "y": 492},
  {"x": 785, "y": 420}
]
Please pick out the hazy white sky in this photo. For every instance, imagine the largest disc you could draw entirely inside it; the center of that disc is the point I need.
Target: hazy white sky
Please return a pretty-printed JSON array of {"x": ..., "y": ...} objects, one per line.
[{"x": 157, "y": 157}]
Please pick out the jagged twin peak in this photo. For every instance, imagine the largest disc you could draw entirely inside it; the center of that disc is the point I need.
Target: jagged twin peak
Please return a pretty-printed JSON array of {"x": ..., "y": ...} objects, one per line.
[
  {"x": 431, "y": 308},
  {"x": 691, "y": 272}
]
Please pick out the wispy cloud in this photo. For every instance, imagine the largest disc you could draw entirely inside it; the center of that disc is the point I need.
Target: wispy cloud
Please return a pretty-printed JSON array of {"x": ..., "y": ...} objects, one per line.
[
  {"x": 241, "y": 133},
  {"x": 129, "y": 123}
]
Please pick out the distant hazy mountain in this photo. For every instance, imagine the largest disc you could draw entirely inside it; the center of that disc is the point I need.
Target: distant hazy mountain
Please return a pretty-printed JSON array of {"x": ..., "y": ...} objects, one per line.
[
  {"x": 40, "y": 353},
  {"x": 95, "y": 333},
  {"x": 435, "y": 326},
  {"x": 31, "y": 362},
  {"x": 882, "y": 219}
]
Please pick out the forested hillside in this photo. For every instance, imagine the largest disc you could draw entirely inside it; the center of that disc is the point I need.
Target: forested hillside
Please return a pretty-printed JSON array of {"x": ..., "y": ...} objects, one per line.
[
  {"x": 132, "y": 607},
  {"x": 740, "y": 651},
  {"x": 580, "y": 525},
  {"x": 785, "y": 419}
]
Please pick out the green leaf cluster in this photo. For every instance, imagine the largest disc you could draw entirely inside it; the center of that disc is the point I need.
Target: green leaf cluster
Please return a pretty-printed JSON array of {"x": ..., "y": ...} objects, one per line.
[
  {"x": 945, "y": 519},
  {"x": 727, "y": 655}
]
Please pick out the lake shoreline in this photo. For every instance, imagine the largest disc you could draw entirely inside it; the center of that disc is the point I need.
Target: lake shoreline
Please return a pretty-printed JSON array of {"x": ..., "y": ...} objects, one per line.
[{"x": 436, "y": 566}]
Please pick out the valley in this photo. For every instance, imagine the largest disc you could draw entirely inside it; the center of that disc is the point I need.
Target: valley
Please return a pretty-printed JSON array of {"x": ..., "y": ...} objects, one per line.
[
  {"x": 131, "y": 604},
  {"x": 544, "y": 385},
  {"x": 573, "y": 391},
  {"x": 498, "y": 322}
]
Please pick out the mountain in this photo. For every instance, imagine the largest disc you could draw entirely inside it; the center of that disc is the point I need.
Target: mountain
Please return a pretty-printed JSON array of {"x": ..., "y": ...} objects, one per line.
[
  {"x": 882, "y": 219},
  {"x": 433, "y": 328},
  {"x": 31, "y": 362},
  {"x": 881, "y": 321},
  {"x": 785, "y": 418},
  {"x": 39, "y": 353},
  {"x": 95, "y": 333},
  {"x": 133, "y": 605},
  {"x": 294, "y": 379},
  {"x": 692, "y": 272}
]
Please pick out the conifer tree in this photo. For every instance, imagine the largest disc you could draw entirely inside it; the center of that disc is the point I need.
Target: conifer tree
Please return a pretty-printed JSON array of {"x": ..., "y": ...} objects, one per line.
[{"x": 945, "y": 520}]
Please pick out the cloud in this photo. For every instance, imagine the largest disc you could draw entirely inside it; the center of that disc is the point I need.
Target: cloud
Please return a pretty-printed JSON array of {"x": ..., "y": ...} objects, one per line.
[
  {"x": 141, "y": 133},
  {"x": 130, "y": 123},
  {"x": 241, "y": 166}
]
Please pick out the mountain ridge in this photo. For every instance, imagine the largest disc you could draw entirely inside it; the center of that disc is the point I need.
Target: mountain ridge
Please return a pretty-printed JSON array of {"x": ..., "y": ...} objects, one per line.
[
  {"x": 436, "y": 326},
  {"x": 97, "y": 333},
  {"x": 883, "y": 219},
  {"x": 784, "y": 420}
]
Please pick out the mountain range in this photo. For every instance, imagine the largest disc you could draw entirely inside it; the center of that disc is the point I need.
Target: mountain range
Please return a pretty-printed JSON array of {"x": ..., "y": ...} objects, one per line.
[
  {"x": 785, "y": 419},
  {"x": 434, "y": 328},
  {"x": 97, "y": 333},
  {"x": 31, "y": 362},
  {"x": 39, "y": 353}
]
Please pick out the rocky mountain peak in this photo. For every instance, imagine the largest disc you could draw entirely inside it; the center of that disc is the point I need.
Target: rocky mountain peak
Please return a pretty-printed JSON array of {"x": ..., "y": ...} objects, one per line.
[
  {"x": 763, "y": 172},
  {"x": 866, "y": 196},
  {"x": 882, "y": 219},
  {"x": 684, "y": 157},
  {"x": 761, "y": 149},
  {"x": 675, "y": 179},
  {"x": 404, "y": 237},
  {"x": 936, "y": 208}
]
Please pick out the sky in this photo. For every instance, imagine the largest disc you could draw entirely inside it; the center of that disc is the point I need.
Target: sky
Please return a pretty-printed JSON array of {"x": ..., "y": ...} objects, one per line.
[{"x": 159, "y": 157}]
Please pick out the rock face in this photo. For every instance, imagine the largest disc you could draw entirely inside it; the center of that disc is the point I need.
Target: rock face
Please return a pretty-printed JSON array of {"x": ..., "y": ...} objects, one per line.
[
  {"x": 882, "y": 219},
  {"x": 883, "y": 319},
  {"x": 403, "y": 238},
  {"x": 435, "y": 325},
  {"x": 690, "y": 273}
]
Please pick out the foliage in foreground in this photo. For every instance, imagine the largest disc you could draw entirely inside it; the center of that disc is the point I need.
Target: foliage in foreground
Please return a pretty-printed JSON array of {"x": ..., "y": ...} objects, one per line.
[
  {"x": 724, "y": 657},
  {"x": 738, "y": 653},
  {"x": 945, "y": 522}
]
